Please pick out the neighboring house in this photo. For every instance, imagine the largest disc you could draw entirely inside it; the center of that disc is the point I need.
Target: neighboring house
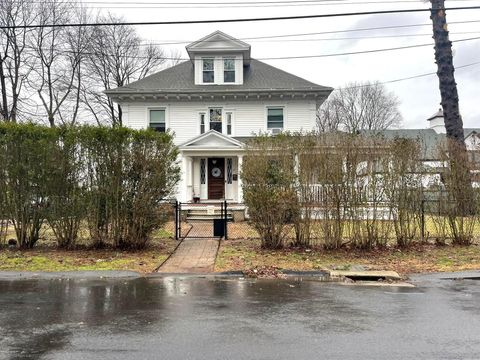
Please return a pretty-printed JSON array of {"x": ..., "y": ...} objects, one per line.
[
  {"x": 431, "y": 140},
  {"x": 213, "y": 104}
]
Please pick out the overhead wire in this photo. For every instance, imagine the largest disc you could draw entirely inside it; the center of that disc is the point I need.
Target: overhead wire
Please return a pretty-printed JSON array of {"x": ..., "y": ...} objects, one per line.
[
  {"x": 289, "y": 57},
  {"x": 237, "y": 20}
]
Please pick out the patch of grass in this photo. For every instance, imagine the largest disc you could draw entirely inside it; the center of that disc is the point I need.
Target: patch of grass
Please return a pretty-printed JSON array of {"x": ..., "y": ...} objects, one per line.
[
  {"x": 244, "y": 254},
  {"x": 46, "y": 258}
]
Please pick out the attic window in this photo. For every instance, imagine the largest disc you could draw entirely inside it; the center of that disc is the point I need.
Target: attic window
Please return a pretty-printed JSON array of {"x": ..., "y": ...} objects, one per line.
[
  {"x": 229, "y": 70},
  {"x": 208, "y": 71}
]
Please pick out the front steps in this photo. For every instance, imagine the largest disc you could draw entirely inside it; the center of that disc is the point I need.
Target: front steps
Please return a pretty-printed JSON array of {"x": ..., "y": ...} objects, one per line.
[
  {"x": 209, "y": 212},
  {"x": 206, "y": 213}
]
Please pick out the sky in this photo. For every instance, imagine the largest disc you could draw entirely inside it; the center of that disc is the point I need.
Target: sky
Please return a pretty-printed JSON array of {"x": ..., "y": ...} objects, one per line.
[{"x": 419, "y": 97}]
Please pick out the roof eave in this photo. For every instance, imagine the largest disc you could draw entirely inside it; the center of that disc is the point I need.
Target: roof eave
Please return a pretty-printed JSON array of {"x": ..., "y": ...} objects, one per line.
[{"x": 284, "y": 94}]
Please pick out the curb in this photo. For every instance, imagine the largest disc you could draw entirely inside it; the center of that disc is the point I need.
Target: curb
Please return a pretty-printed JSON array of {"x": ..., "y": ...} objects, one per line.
[{"x": 78, "y": 275}]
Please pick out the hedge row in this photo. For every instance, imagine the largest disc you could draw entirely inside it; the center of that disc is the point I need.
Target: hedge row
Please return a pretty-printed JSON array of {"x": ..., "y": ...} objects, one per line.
[
  {"x": 112, "y": 181},
  {"x": 365, "y": 191}
]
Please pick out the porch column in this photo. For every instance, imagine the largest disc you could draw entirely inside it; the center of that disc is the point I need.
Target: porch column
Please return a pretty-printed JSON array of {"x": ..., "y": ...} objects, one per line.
[
  {"x": 189, "y": 177},
  {"x": 183, "y": 179},
  {"x": 239, "y": 181}
]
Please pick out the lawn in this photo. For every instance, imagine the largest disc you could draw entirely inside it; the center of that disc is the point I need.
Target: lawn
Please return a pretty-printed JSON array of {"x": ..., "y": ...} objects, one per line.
[
  {"x": 247, "y": 254},
  {"x": 46, "y": 257}
]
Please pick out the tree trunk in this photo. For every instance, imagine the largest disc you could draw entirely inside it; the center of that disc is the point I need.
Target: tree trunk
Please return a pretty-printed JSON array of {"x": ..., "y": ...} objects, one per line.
[
  {"x": 3, "y": 86},
  {"x": 444, "y": 60},
  {"x": 460, "y": 180}
]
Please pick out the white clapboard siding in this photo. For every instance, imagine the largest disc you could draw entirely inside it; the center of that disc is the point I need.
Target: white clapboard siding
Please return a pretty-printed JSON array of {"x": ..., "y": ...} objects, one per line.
[{"x": 249, "y": 117}]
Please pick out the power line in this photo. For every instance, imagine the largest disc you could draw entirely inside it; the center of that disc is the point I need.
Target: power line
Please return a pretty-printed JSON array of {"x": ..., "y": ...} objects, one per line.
[
  {"x": 179, "y": 42},
  {"x": 210, "y": 21},
  {"x": 156, "y": 5},
  {"x": 148, "y": 43},
  {"x": 411, "y": 77},
  {"x": 283, "y": 57},
  {"x": 216, "y": 3}
]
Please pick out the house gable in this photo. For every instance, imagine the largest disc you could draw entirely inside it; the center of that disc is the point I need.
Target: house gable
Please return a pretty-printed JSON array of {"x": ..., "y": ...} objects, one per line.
[
  {"x": 219, "y": 42},
  {"x": 212, "y": 140}
]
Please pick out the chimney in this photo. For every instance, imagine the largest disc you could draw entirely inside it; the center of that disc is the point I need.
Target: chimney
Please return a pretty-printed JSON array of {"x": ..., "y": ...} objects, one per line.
[{"x": 437, "y": 123}]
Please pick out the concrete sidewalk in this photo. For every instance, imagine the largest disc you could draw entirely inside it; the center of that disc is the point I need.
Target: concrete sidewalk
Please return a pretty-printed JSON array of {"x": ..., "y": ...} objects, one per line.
[{"x": 192, "y": 256}]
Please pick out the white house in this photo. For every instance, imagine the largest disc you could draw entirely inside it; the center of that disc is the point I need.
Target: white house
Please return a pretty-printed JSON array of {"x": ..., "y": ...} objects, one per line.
[{"x": 213, "y": 103}]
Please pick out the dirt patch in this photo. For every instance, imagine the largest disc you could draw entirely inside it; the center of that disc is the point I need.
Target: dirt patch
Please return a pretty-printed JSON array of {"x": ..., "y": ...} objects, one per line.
[{"x": 238, "y": 255}]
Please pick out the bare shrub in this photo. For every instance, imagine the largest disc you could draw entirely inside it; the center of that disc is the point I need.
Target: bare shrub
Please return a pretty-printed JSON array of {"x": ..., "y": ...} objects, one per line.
[
  {"x": 404, "y": 189},
  {"x": 458, "y": 201},
  {"x": 268, "y": 174}
]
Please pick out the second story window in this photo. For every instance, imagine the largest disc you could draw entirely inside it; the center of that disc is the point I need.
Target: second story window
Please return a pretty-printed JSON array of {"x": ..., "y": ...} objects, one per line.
[
  {"x": 275, "y": 118},
  {"x": 157, "y": 120},
  {"x": 202, "y": 123},
  {"x": 208, "y": 70},
  {"x": 216, "y": 119},
  {"x": 229, "y": 70},
  {"x": 229, "y": 123}
]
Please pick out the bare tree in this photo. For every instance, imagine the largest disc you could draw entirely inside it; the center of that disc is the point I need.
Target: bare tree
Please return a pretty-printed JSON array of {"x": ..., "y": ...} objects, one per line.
[
  {"x": 56, "y": 61},
  {"x": 15, "y": 63},
  {"x": 360, "y": 106},
  {"x": 328, "y": 118},
  {"x": 116, "y": 58},
  {"x": 175, "y": 57},
  {"x": 78, "y": 41}
]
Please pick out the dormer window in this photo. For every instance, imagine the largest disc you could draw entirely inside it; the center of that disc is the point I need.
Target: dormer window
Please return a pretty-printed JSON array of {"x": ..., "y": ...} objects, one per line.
[
  {"x": 208, "y": 70},
  {"x": 229, "y": 70}
]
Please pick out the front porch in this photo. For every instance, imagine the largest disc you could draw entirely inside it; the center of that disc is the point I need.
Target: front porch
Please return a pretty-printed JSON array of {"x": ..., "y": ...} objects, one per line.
[{"x": 211, "y": 165}]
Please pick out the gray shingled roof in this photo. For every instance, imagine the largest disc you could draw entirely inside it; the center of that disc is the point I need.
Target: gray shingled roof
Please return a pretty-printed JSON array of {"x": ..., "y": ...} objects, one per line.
[
  {"x": 428, "y": 138},
  {"x": 257, "y": 77}
]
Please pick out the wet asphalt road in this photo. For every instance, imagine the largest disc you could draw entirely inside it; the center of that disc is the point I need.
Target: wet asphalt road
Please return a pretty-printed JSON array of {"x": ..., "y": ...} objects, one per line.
[{"x": 197, "y": 318}]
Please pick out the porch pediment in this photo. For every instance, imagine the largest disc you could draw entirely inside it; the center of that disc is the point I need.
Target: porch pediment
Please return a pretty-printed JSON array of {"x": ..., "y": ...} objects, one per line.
[{"x": 212, "y": 140}]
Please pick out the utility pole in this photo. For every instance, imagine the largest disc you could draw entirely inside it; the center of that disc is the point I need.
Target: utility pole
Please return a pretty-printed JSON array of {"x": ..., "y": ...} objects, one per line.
[{"x": 445, "y": 72}]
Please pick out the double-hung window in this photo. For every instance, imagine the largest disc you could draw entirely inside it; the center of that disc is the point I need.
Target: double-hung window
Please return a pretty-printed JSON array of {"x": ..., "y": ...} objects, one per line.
[
  {"x": 275, "y": 118},
  {"x": 157, "y": 120},
  {"x": 228, "y": 70},
  {"x": 229, "y": 116},
  {"x": 208, "y": 67},
  {"x": 216, "y": 119},
  {"x": 202, "y": 123}
]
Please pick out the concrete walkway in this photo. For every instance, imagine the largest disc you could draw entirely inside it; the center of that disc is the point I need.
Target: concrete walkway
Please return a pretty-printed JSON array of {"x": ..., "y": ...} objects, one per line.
[{"x": 192, "y": 256}]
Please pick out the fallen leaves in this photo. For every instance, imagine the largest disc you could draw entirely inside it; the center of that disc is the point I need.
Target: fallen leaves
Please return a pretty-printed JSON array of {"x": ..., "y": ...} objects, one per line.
[{"x": 238, "y": 255}]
